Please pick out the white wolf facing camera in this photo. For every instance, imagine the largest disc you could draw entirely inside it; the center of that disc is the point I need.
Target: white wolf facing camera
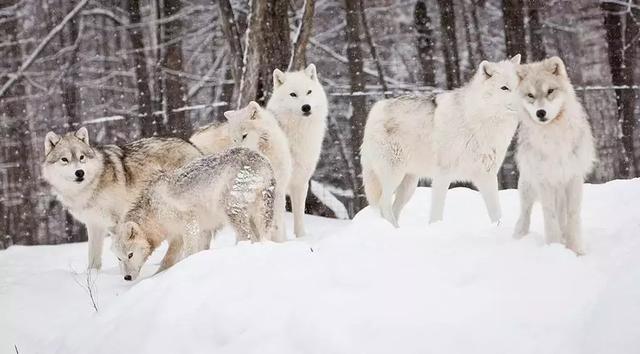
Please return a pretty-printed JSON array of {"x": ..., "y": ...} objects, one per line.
[
  {"x": 255, "y": 128},
  {"x": 300, "y": 105},
  {"x": 97, "y": 184},
  {"x": 555, "y": 152},
  {"x": 184, "y": 206},
  {"x": 459, "y": 135}
]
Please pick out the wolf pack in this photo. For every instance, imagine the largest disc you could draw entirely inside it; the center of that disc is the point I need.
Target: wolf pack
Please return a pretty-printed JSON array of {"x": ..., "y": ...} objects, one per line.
[{"x": 237, "y": 171}]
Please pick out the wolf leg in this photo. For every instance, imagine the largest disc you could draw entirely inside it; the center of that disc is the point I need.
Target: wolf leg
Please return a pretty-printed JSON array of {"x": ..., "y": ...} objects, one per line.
[
  {"x": 278, "y": 229},
  {"x": 96, "y": 241},
  {"x": 488, "y": 187},
  {"x": 439, "y": 186},
  {"x": 404, "y": 193},
  {"x": 173, "y": 255},
  {"x": 573, "y": 203},
  {"x": 241, "y": 224},
  {"x": 389, "y": 180},
  {"x": 527, "y": 198},
  {"x": 299, "y": 189},
  {"x": 550, "y": 210}
]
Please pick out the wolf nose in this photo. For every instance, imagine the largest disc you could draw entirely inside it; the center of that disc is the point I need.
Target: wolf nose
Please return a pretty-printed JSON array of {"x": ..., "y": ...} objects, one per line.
[
  {"x": 127, "y": 277},
  {"x": 541, "y": 113},
  {"x": 79, "y": 173},
  {"x": 306, "y": 108}
]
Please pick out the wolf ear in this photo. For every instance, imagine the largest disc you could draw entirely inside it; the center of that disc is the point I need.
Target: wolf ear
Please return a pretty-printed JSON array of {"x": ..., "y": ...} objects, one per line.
[
  {"x": 50, "y": 140},
  {"x": 131, "y": 229},
  {"x": 555, "y": 65},
  {"x": 310, "y": 71},
  {"x": 83, "y": 135},
  {"x": 278, "y": 78},
  {"x": 254, "y": 108},
  {"x": 486, "y": 69},
  {"x": 516, "y": 59}
]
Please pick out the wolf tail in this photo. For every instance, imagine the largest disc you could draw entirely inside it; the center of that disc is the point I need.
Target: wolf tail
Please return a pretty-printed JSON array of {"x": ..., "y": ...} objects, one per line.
[{"x": 372, "y": 186}]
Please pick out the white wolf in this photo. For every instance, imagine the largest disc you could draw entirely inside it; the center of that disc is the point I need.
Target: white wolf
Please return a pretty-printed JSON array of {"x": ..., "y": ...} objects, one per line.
[
  {"x": 235, "y": 187},
  {"x": 300, "y": 105},
  {"x": 257, "y": 129},
  {"x": 99, "y": 183},
  {"x": 555, "y": 152},
  {"x": 457, "y": 135}
]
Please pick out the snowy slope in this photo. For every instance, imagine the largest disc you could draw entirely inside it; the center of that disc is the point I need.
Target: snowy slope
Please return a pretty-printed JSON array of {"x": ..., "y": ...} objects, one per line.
[{"x": 461, "y": 286}]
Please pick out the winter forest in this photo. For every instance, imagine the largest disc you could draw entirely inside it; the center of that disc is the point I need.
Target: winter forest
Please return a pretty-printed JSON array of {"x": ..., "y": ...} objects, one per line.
[{"x": 127, "y": 69}]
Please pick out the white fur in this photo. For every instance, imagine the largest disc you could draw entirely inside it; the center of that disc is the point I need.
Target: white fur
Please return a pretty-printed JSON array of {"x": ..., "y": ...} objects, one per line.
[
  {"x": 464, "y": 137},
  {"x": 304, "y": 132},
  {"x": 553, "y": 155}
]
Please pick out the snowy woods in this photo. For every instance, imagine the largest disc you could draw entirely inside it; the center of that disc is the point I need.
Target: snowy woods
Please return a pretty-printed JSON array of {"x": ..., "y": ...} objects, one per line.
[{"x": 127, "y": 69}]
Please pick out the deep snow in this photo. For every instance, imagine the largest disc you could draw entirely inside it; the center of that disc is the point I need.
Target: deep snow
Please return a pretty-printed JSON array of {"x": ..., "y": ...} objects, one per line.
[{"x": 460, "y": 286}]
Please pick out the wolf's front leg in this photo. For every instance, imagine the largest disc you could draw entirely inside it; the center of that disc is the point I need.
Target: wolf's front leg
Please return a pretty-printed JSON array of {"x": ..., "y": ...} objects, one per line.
[
  {"x": 573, "y": 204},
  {"x": 96, "y": 240},
  {"x": 279, "y": 229},
  {"x": 439, "y": 187},
  {"x": 299, "y": 189},
  {"x": 550, "y": 211},
  {"x": 173, "y": 255},
  {"x": 488, "y": 187},
  {"x": 527, "y": 198}
]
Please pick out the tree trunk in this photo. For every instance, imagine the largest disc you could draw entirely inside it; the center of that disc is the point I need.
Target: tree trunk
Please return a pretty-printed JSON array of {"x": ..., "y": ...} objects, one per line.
[
  {"x": 630, "y": 97},
  {"x": 514, "y": 33},
  {"x": 449, "y": 43},
  {"x": 613, "y": 15},
  {"x": 276, "y": 51},
  {"x": 232, "y": 33},
  {"x": 358, "y": 103},
  {"x": 373, "y": 51},
  {"x": 467, "y": 36},
  {"x": 150, "y": 125},
  {"x": 425, "y": 43},
  {"x": 477, "y": 29},
  {"x": 177, "y": 121},
  {"x": 299, "y": 55},
  {"x": 252, "y": 53},
  {"x": 536, "y": 38}
]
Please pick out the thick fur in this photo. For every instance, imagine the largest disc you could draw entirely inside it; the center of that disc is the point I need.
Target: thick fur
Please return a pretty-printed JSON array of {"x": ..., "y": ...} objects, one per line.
[
  {"x": 293, "y": 93},
  {"x": 234, "y": 188},
  {"x": 458, "y": 135},
  {"x": 255, "y": 128},
  {"x": 555, "y": 152},
  {"x": 113, "y": 177}
]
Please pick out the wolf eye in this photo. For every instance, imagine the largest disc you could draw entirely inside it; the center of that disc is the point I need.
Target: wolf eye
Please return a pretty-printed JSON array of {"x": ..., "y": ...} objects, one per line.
[
  {"x": 309, "y": 92},
  {"x": 293, "y": 94},
  {"x": 550, "y": 91},
  {"x": 530, "y": 95},
  {"x": 244, "y": 136},
  {"x": 64, "y": 159},
  {"x": 130, "y": 255},
  {"x": 81, "y": 158},
  {"x": 504, "y": 88}
]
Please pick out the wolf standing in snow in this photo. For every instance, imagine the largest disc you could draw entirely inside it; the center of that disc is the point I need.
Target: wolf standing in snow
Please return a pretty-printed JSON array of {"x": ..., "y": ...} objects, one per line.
[
  {"x": 233, "y": 188},
  {"x": 555, "y": 152},
  {"x": 460, "y": 135},
  {"x": 300, "y": 105},
  {"x": 99, "y": 183},
  {"x": 255, "y": 128}
]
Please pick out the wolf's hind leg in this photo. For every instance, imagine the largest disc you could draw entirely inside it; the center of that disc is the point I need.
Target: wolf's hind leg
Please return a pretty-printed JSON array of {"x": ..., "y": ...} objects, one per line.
[
  {"x": 439, "y": 187},
  {"x": 573, "y": 204},
  {"x": 488, "y": 187},
  {"x": 390, "y": 180},
  {"x": 173, "y": 255},
  {"x": 527, "y": 198},
  {"x": 241, "y": 224},
  {"x": 96, "y": 241},
  {"x": 404, "y": 193}
]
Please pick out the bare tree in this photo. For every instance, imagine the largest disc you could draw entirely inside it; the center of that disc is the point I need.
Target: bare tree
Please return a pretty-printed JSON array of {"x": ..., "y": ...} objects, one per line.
[
  {"x": 373, "y": 51},
  {"x": 536, "y": 38},
  {"x": 358, "y": 104},
  {"x": 514, "y": 32},
  {"x": 252, "y": 52},
  {"x": 231, "y": 32},
  {"x": 425, "y": 43},
  {"x": 449, "y": 43},
  {"x": 276, "y": 50},
  {"x": 299, "y": 55}
]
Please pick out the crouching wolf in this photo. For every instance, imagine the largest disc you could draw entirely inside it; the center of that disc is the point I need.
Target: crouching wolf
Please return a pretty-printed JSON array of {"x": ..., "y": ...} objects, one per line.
[
  {"x": 97, "y": 184},
  {"x": 235, "y": 187},
  {"x": 458, "y": 135},
  {"x": 299, "y": 103},
  {"x": 257, "y": 129},
  {"x": 555, "y": 152}
]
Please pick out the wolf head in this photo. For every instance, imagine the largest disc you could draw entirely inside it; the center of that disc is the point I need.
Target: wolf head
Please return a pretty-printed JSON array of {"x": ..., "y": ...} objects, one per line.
[
  {"x": 243, "y": 125},
  {"x": 498, "y": 83},
  {"x": 132, "y": 248},
  {"x": 544, "y": 89},
  {"x": 70, "y": 162},
  {"x": 298, "y": 93}
]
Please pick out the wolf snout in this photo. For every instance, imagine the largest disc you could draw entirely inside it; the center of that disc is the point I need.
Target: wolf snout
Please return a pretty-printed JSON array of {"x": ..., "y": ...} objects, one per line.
[
  {"x": 79, "y": 173},
  {"x": 542, "y": 115},
  {"x": 306, "y": 109},
  {"x": 127, "y": 277}
]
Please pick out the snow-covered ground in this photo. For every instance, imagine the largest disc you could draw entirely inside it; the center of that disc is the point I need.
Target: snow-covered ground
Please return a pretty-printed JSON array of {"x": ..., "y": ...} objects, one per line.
[{"x": 461, "y": 286}]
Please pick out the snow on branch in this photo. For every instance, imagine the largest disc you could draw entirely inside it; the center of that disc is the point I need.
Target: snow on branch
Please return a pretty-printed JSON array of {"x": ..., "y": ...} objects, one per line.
[{"x": 14, "y": 77}]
